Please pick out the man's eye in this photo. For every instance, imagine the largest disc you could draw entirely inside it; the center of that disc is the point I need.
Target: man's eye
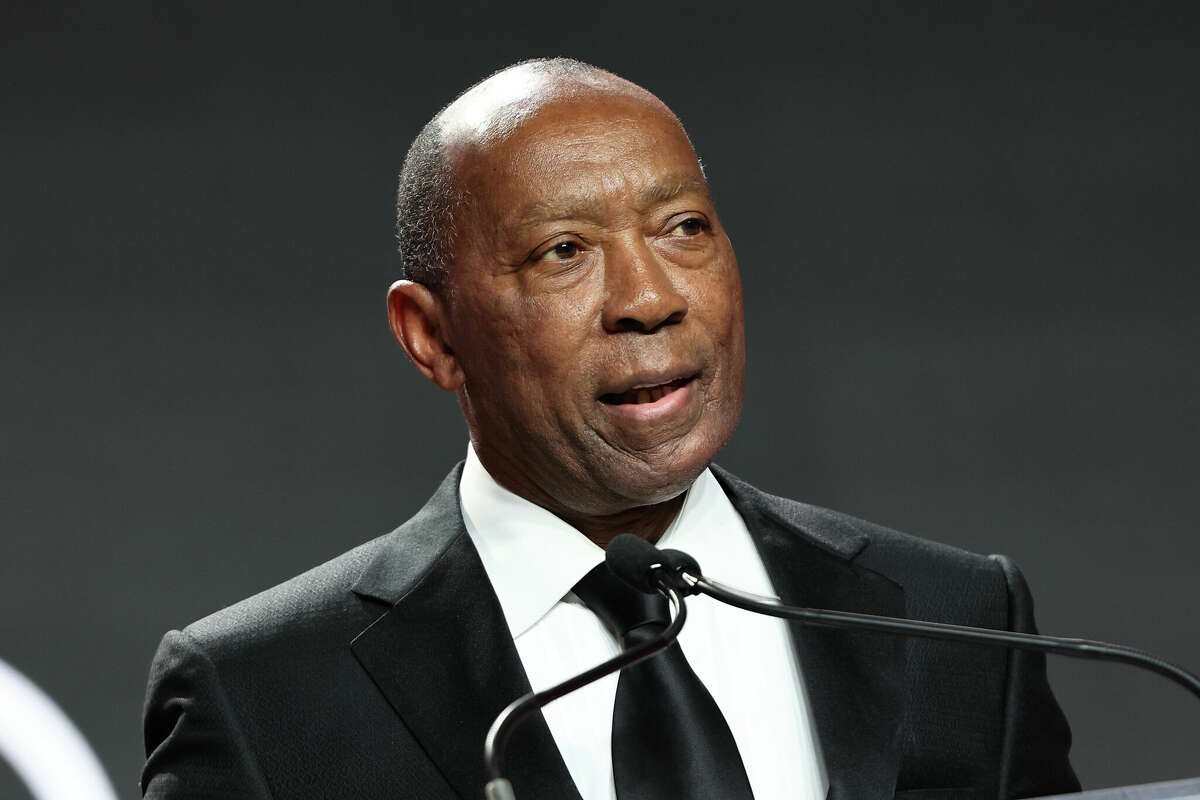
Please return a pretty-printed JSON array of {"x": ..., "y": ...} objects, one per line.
[
  {"x": 562, "y": 251},
  {"x": 692, "y": 226}
]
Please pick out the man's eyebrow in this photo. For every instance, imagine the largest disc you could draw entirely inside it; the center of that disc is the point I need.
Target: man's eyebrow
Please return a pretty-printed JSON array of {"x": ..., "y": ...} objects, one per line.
[
  {"x": 672, "y": 186},
  {"x": 585, "y": 206}
]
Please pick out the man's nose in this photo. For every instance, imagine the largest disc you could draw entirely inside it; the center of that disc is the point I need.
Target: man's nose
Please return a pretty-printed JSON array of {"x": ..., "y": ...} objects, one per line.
[{"x": 641, "y": 295}]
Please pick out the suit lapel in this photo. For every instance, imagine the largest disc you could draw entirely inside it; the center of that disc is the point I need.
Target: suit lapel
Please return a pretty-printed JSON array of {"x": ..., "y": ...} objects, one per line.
[
  {"x": 855, "y": 680},
  {"x": 443, "y": 657}
]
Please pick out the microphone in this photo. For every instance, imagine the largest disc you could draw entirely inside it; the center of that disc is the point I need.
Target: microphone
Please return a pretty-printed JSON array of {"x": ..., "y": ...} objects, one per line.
[
  {"x": 500, "y": 788},
  {"x": 639, "y": 563},
  {"x": 644, "y": 567}
]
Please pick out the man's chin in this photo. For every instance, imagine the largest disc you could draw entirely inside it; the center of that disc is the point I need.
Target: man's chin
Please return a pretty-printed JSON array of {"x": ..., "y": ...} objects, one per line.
[{"x": 647, "y": 479}]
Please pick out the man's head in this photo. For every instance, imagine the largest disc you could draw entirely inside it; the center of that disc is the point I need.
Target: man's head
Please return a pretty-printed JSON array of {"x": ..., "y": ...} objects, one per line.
[{"x": 573, "y": 285}]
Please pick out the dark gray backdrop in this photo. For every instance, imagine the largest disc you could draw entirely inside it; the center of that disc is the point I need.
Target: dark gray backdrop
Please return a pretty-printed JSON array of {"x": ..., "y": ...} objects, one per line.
[{"x": 968, "y": 239}]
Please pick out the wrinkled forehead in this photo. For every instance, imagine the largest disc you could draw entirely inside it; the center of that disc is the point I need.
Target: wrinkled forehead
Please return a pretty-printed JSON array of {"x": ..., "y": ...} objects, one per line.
[
  {"x": 526, "y": 146},
  {"x": 572, "y": 156}
]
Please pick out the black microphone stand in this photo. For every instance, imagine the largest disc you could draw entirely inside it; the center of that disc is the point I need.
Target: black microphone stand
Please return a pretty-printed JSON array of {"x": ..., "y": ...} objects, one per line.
[
  {"x": 498, "y": 787},
  {"x": 1077, "y": 648}
]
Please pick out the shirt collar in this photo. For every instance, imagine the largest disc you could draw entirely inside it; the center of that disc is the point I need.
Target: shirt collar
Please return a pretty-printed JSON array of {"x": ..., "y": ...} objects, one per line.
[
  {"x": 534, "y": 558},
  {"x": 699, "y": 525}
]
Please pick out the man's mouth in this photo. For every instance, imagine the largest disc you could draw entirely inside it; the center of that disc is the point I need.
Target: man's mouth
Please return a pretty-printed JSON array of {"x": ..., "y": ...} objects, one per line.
[{"x": 641, "y": 395}]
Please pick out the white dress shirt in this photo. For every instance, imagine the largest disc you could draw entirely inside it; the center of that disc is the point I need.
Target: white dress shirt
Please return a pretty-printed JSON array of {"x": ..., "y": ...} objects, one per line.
[{"x": 746, "y": 661}]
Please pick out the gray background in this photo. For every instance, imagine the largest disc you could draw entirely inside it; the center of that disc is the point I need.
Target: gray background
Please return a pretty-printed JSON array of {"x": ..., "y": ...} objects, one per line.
[{"x": 968, "y": 239}]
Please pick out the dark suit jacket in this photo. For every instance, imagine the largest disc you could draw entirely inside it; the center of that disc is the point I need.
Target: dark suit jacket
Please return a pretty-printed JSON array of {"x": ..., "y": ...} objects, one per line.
[{"x": 377, "y": 674}]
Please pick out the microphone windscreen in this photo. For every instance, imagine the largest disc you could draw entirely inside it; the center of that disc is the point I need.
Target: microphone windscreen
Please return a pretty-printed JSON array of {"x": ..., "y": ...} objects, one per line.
[{"x": 632, "y": 559}]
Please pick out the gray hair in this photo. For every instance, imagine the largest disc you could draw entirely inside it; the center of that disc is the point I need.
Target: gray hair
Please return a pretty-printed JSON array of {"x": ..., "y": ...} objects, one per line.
[{"x": 426, "y": 205}]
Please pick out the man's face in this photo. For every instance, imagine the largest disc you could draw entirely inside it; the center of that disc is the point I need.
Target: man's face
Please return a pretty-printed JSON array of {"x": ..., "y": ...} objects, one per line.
[{"x": 595, "y": 307}]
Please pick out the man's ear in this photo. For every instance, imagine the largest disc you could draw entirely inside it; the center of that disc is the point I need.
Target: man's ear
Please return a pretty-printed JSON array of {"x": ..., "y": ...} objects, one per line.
[{"x": 418, "y": 322}]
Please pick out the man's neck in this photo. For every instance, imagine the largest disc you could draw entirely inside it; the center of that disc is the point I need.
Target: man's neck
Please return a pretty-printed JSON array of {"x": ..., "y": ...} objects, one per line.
[{"x": 648, "y": 522}]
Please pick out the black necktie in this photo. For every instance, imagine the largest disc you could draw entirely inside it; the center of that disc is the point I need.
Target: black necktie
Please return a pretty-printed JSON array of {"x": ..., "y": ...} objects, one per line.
[{"x": 669, "y": 739}]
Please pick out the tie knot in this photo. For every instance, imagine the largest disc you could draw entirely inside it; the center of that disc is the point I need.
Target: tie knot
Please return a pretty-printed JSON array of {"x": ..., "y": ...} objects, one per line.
[{"x": 619, "y": 605}]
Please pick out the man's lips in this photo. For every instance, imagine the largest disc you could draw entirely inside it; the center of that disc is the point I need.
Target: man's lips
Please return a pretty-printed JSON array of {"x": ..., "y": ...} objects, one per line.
[{"x": 645, "y": 390}]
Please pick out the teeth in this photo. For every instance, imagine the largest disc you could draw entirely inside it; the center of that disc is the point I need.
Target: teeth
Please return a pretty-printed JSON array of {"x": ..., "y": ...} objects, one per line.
[{"x": 645, "y": 394}]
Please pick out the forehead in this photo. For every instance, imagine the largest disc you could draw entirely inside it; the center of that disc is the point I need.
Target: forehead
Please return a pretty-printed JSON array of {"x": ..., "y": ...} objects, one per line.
[{"x": 600, "y": 146}]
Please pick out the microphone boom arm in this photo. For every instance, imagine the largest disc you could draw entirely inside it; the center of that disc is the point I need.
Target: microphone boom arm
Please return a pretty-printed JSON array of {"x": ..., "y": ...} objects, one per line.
[{"x": 1076, "y": 648}]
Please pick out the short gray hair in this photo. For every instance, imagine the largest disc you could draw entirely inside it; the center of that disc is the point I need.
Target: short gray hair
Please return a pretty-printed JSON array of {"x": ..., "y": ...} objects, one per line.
[{"x": 426, "y": 205}]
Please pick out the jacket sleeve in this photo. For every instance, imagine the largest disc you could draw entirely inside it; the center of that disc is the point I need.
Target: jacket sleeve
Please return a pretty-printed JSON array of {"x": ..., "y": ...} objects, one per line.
[
  {"x": 1037, "y": 738},
  {"x": 194, "y": 745}
]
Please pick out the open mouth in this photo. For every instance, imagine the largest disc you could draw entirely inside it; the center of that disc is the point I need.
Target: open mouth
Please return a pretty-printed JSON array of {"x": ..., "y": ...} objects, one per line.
[{"x": 640, "y": 395}]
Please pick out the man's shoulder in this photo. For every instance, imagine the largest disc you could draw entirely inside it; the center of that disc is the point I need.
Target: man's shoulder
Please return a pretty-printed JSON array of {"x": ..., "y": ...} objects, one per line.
[
  {"x": 338, "y": 599},
  {"x": 940, "y": 581},
  {"x": 844, "y": 533},
  {"x": 309, "y": 606},
  {"x": 932, "y": 573}
]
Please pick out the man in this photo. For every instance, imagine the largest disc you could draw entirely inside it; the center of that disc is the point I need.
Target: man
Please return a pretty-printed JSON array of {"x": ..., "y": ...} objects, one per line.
[{"x": 569, "y": 280}]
